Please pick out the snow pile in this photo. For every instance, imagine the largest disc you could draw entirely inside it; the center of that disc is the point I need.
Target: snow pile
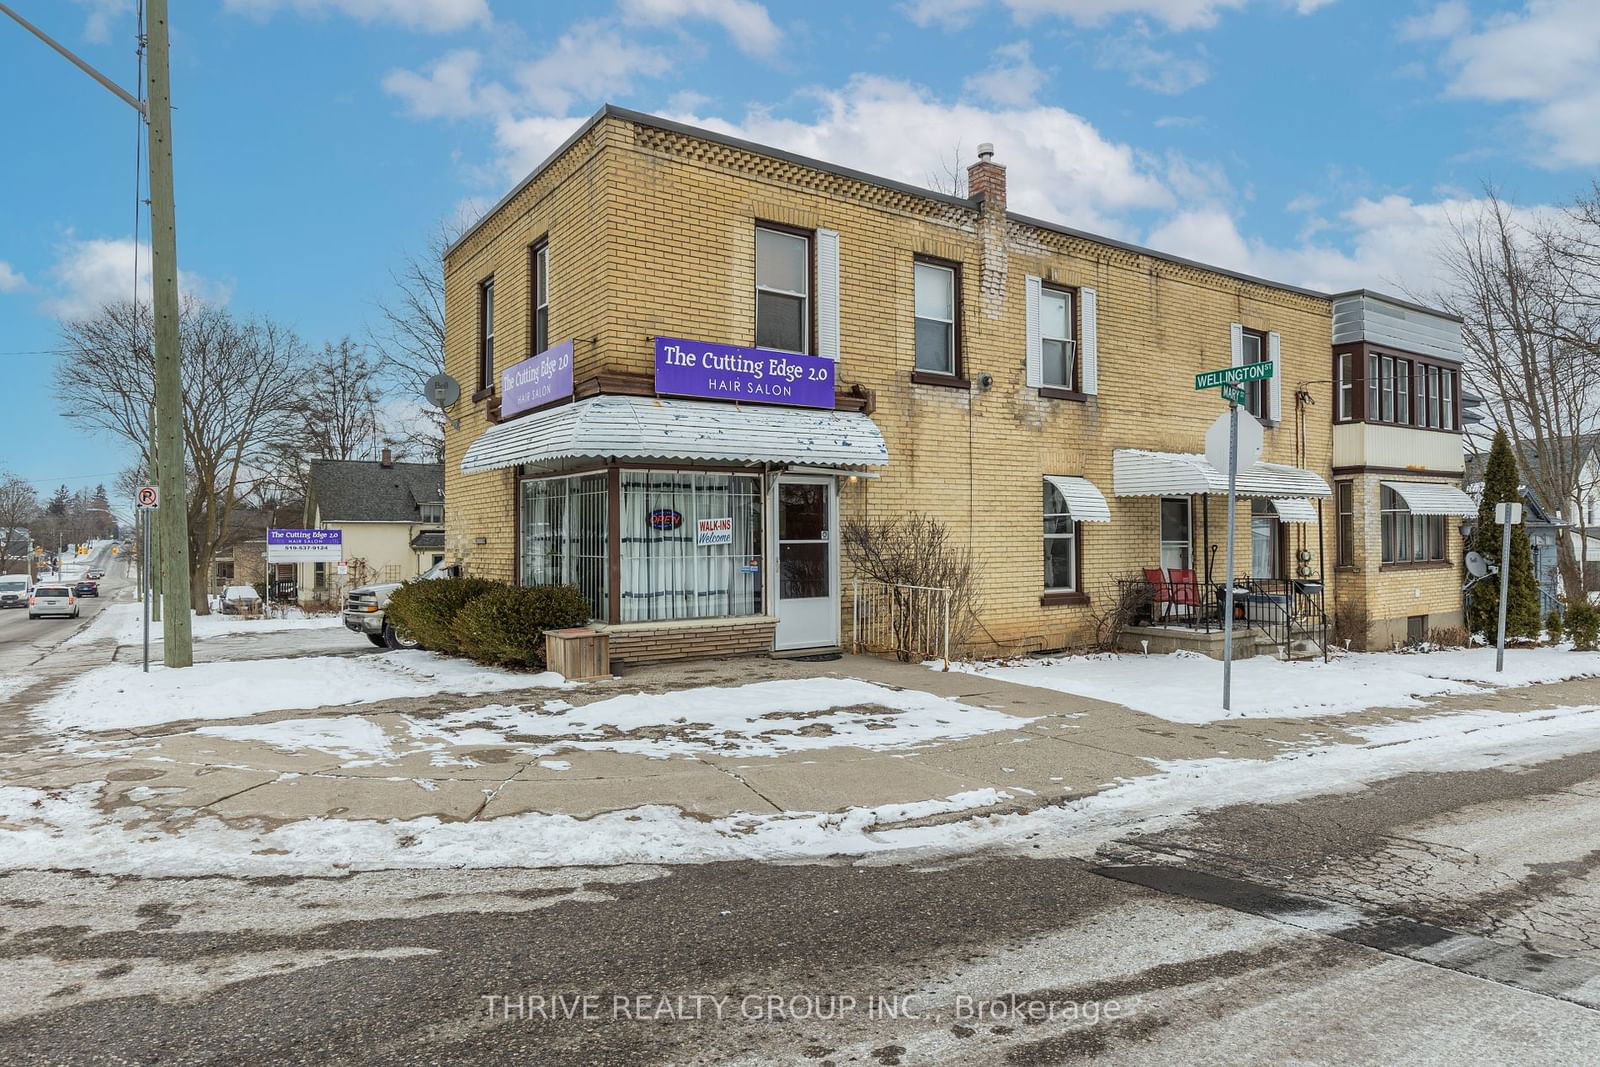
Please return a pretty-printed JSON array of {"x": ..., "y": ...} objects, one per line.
[
  {"x": 65, "y": 828},
  {"x": 759, "y": 719},
  {"x": 1186, "y": 687},
  {"x": 120, "y": 696},
  {"x": 123, "y": 623}
]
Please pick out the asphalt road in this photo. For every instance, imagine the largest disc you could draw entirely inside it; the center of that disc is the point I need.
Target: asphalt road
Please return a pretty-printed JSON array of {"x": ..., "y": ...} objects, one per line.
[
  {"x": 24, "y": 641},
  {"x": 1432, "y": 919}
]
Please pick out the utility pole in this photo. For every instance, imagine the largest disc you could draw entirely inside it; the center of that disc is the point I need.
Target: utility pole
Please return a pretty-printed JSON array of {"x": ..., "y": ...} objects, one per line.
[
  {"x": 177, "y": 631},
  {"x": 177, "y": 638}
]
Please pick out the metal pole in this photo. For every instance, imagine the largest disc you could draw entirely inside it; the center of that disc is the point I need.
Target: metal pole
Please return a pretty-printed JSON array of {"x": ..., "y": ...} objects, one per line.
[
  {"x": 1505, "y": 582},
  {"x": 125, "y": 96},
  {"x": 176, "y": 628},
  {"x": 148, "y": 600},
  {"x": 1227, "y": 574}
]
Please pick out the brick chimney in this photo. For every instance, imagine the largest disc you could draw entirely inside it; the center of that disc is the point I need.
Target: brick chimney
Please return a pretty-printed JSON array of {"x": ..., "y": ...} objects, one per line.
[
  {"x": 987, "y": 179},
  {"x": 388, "y": 459}
]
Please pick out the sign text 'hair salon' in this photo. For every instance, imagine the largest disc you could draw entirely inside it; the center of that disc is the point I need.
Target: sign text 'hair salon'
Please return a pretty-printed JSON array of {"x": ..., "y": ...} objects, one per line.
[
  {"x": 753, "y": 375},
  {"x": 536, "y": 380}
]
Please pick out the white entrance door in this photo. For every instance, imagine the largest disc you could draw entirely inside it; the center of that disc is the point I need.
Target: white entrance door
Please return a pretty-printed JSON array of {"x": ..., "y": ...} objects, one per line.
[{"x": 807, "y": 570}]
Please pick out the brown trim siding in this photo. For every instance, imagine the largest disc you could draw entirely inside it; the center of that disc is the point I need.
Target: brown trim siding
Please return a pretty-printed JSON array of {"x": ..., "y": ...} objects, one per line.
[
  {"x": 1363, "y": 350},
  {"x": 1415, "y": 472}
]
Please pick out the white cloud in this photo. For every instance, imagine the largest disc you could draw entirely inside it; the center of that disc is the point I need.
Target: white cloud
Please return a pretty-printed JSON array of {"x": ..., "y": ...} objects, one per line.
[
  {"x": 433, "y": 16},
  {"x": 591, "y": 60},
  {"x": 746, "y": 21},
  {"x": 951, "y": 14},
  {"x": 11, "y": 279},
  {"x": 448, "y": 89},
  {"x": 1174, "y": 14},
  {"x": 1011, "y": 79},
  {"x": 1544, "y": 56},
  {"x": 1149, "y": 67},
  {"x": 89, "y": 274},
  {"x": 101, "y": 14},
  {"x": 1446, "y": 20}
]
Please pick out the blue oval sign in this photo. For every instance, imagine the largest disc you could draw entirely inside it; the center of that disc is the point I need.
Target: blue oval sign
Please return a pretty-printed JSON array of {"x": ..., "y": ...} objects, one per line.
[{"x": 665, "y": 519}]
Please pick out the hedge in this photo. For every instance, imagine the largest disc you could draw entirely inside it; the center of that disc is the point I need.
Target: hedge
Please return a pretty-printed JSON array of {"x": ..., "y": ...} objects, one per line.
[
  {"x": 1583, "y": 625},
  {"x": 505, "y": 627},
  {"x": 424, "y": 611}
]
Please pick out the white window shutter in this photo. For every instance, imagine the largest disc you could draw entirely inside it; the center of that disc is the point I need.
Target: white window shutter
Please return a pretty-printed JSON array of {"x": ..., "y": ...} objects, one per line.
[
  {"x": 1088, "y": 344},
  {"x": 828, "y": 293},
  {"x": 1275, "y": 392},
  {"x": 1035, "y": 340},
  {"x": 1237, "y": 332}
]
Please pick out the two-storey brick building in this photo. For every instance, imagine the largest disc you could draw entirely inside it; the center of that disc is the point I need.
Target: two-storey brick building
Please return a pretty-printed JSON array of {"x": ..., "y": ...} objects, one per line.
[{"x": 685, "y": 358}]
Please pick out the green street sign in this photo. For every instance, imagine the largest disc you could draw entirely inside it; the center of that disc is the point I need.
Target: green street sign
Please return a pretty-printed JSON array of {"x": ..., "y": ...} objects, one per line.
[
  {"x": 1233, "y": 393},
  {"x": 1249, "y": 372}
]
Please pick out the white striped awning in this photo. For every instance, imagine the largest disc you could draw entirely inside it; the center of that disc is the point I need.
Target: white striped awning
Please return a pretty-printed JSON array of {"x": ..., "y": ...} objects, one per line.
[
  {"x": 1294, "y": 509},
  {"x": 1084, "y": 502},
  {"x": 1136, "y": 472},
  {"x": 644, "y": 427},
  {"x": 1433, "y": 498}
]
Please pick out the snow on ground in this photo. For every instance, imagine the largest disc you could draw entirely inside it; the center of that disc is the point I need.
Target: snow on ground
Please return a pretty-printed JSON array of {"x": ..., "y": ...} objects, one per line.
[
  {"x": 120, "y": 696},
  {"x": 1186, "y": 687},
  {"x": 65, "y": 828},
  {"x": 760, "y": 719},
  {"x": 124, "y": 624}
]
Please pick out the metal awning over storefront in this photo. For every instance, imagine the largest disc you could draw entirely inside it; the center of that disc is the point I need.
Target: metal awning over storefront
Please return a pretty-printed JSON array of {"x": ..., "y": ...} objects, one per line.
[
  {"x": 642, "y": 427},
  {"x": 1294, "y": 509},
  {"x": 1135, "y": 472},
  {"x": 1085, "y": 502},
  {"x": 1433, "y": 498}
]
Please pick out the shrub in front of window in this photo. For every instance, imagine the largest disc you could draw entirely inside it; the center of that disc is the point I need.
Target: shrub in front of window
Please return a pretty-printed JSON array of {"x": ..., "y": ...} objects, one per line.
[
  {"x": 1553, "y": 626},
  {"x": 424, "y": 611},
  {"x": 505, "y": 626}
]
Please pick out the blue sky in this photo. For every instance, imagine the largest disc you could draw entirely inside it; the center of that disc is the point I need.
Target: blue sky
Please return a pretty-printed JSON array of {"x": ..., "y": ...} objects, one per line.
[{"x": 1321, "y": 142}]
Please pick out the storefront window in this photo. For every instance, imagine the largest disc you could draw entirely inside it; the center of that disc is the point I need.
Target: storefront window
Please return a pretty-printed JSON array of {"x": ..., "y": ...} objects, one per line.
[
  {"x": 564, "y": 536},
  {"x": 691, "y": 545}
]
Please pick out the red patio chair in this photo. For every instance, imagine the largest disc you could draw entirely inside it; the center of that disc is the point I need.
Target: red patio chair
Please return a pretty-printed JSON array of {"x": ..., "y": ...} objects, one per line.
[
  {"x": 1160, "y": 592},
  {"x": 1184, "y": 588}
]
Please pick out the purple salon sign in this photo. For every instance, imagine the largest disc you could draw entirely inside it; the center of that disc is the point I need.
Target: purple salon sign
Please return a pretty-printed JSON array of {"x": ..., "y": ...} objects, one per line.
[
  {"x": 536, "y": 380},
  {"x": 305, "y": 546},
  {"x": 754, "y": 375}
]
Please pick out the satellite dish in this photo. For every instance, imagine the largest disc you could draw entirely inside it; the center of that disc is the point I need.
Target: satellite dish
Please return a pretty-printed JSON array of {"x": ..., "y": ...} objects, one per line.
[
  {"x": 1476, "y": 566},
  {"x": 442, "y": 390}
]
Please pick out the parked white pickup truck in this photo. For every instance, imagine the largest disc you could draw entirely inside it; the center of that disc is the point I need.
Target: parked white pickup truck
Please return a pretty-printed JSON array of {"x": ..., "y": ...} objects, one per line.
[{"x": 364, "y": 607}]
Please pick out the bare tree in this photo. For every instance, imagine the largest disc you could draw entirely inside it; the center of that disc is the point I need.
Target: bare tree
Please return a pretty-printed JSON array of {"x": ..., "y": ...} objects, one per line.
[
  {"x": 240, "y": 379},
  {"x": 409, "y": 335},
  {"x": 1530, "y": 311},
  {"x": 951, "y": 177},
  {"x": 19, "y": 507},
  {"x": 337, "y": 403}
]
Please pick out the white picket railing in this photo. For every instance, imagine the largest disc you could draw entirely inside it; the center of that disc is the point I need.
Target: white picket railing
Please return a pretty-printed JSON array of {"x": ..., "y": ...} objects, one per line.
[{"x": 911, "y": 621}]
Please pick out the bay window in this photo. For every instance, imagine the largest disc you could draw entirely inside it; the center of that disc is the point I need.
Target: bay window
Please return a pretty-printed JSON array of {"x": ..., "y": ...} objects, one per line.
[
  {"x": 1409, "y": 538},
  {"x": 564, "y": 536},
  {"x": 1346, "y": 386}
]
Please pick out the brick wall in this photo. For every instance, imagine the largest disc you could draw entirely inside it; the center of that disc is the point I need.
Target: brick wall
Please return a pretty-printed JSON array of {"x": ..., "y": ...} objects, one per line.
[
  {"x": 633, "y": 644},
  {"x": 1378, "y": 599},
  {"x": 652, "y": 233}
]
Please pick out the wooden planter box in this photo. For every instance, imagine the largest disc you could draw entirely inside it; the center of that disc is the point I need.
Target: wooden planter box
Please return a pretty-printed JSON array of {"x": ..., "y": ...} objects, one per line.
[{"x": 578, "y": 654}]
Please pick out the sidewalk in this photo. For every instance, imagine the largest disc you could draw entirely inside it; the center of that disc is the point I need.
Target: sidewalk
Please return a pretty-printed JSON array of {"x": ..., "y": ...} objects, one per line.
[{"x": 271, "y": 757}]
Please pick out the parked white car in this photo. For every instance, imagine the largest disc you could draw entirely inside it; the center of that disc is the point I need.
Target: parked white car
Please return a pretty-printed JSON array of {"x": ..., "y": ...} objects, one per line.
[{"x": 52, "y": 600}]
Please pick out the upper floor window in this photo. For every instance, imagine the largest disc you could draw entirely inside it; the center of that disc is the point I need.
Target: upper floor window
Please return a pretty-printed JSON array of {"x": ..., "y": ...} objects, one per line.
[
  {"x": 783, "y": 290},
  {"x": 1057, "y": 336},
  {"x": 1346, "y": 386},
  {"x": 1257, "y": 394},
  {"x": 936, "y": 318},
  {"x": 1447, "y": 399},
  {"x": 486, "y": 334},
  {"x": 432, "y": 512},
  {"x": 539, "y": 296},
  {"x": 1388, "y": 389}
]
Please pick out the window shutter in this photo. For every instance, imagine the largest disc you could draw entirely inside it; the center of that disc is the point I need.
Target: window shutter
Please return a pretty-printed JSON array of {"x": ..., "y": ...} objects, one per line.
[
  {"x": 1237, "y": 332},
  {"x": 1275, "y": 392},
  {"x": 1035, "y": 340},
  {"x": 828, "y": 293},
  {"x": 1088, "y": 344}
]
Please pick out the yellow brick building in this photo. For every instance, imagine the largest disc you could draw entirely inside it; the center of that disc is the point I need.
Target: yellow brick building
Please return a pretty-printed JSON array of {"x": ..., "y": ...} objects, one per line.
[{"x": 1029, "y": 386}]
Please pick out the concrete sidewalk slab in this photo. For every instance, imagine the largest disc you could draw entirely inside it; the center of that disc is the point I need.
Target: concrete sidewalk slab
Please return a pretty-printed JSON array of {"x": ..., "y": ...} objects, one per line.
[
  {"x": 799, "y": 785},
  {"x": 166, "y": 786},
  {"x": 1050, "y": 767},
  {"x": 341, "y": 797},
  {"x": 696, "y": 789}
]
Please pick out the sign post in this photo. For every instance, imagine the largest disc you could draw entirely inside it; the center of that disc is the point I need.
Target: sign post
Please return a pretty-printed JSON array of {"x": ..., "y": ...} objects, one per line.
[
  {"x": 1230, "y": 382},
  {"x": 1507, "y": 515},
  {"x": 149, "y": 499}
]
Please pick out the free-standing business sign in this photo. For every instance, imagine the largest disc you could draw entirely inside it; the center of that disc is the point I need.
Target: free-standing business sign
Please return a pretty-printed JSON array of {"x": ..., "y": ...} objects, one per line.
[
  {"x": 753, "y": 375},
  {"x": 305, "y": 546},
  {"x": 536, "y": 380}
]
